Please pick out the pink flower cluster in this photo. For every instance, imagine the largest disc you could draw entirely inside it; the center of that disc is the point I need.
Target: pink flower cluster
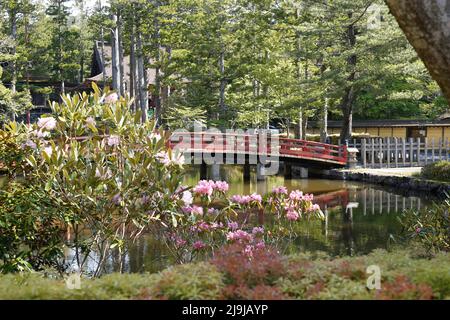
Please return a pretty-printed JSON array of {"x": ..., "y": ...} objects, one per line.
[
  {"x": 198, "y": 245},
  {"x": 239, "y": 235},
  {"x": 243, "y": 200},
  {"x": 195, "y": 210},
  {"x": 298, "y": 195},
  {"x": 207, "y": 187},
  {"x": 203, "y": 226},
  {"x": 47, "y": 123},
  {"x": 280, "y": 190}
]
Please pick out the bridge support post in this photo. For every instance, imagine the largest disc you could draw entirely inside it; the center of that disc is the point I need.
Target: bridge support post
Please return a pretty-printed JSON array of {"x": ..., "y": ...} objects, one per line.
[
  {"x": 301, "y": 172},
  {"x": 215, "y": 172},
  {"x": 260, "y": 172},
  {"x": 247, "y": 172},
  {"x": 203, "y": 171},
  {"x": 287, "y": 171}
]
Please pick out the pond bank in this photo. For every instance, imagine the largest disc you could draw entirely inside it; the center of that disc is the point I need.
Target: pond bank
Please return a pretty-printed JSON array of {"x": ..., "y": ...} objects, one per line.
[{"x": 403, "y": 179}]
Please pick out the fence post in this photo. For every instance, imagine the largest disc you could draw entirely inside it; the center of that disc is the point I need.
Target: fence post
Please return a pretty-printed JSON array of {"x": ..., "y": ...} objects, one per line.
[
  {"x": 432, "y": 150},
  {"x": 380, "y": 155},
  {"x": 446, "y": 149},
  {"x": 396, "y": 152},
  {"x": 372, "y": 149},
  {"x": 404, "y": 151},
  {"x": 418, "y": 152},
  {"x": 363, "y": 153},
  {"x": 440, "y": 148},
  {"x": 388, "y": 141},
  {"x": 411, "y": 151}
]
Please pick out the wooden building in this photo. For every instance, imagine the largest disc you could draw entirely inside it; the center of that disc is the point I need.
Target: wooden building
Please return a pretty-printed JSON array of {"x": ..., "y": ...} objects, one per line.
[{"x": 424, "y": 129}]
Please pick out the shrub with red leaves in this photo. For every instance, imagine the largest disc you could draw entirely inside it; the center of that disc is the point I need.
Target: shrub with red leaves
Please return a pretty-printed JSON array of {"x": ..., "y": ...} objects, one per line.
[
  {"x": 263, "y": 267},
  {"x": 402, "y": 288}
]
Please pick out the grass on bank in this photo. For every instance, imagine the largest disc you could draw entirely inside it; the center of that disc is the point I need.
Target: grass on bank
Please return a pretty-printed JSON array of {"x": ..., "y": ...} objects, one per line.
[{"x": 268, "y": 276}]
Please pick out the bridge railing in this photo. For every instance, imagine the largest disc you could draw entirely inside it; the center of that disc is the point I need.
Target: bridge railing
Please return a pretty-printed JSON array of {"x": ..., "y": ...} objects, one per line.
[
  {"x": 313, "y": 150},
  {"x": 253, "y": 143}
]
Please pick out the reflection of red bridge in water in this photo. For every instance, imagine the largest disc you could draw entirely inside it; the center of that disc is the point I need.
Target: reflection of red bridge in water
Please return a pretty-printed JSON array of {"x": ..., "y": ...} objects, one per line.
[
  {"x": 285, "y": 149},
  {"x": 332, "y": 199}
]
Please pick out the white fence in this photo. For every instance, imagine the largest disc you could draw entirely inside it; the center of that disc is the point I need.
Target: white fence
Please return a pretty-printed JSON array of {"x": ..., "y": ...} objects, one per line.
[{"x": 399, "y": 152}]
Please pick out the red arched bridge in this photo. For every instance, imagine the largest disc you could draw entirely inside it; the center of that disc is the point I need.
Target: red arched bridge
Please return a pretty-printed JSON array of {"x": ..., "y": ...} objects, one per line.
[{"x": 269, "y": 146}]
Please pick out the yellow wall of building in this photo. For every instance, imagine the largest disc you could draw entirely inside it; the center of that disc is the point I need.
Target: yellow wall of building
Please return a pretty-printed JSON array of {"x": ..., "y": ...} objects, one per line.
[
  {"x": 434, "y": 133},
  {"x": 372, "y": 131},
  {"x": 359, "y": 130},
  {"x": 400, "y": 132},
  {"x": 385, "y": 132},
  {"x": 447, "y": 133}
]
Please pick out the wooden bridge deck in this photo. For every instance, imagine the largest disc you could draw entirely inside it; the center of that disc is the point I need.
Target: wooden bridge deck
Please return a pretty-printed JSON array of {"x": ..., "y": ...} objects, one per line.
[{"x": 256, "y": 145}]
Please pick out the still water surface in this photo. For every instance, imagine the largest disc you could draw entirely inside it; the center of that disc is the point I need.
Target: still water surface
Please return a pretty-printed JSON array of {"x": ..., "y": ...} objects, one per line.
[{"x": 360, "y": 218}]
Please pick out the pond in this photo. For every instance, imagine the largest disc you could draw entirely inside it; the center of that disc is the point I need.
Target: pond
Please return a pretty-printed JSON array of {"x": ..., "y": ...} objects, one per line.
[{"x": 359, "y": 218}]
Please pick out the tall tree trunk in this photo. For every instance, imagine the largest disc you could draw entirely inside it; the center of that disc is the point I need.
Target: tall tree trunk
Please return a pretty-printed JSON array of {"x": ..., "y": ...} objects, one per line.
[
  {"x": 13, "y": 18},
  {"x": 349, "y": 95},
  {"x": 133, "y": 67},
  {"x": 115, "y": 55},
  {"x": 102, "y": 39},
  {"x": 426, "y": 24},
  {"x": 222, "y": 82},
  {"x": 142, "y": 78},
  {"x": 157, "y": 93},
  {"x": 324, "y": 122},
  {"x": 120, "y": 53}
]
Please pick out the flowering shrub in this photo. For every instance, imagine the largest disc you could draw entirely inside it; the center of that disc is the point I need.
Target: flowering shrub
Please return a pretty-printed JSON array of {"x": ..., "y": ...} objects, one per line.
[
  {"x": 108, "y": 174},
  {"x": 112, "y": 178},
  {"x": 212, "y": 218},
  {"x": 430, "y": 227}
]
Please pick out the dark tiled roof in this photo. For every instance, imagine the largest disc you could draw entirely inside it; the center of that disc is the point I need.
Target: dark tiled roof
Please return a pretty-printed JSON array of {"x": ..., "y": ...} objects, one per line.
[{"x": 385, "y": 123}]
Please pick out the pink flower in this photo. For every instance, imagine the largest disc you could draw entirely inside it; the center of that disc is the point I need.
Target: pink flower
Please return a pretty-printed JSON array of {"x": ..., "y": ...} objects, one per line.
[
  {"x": 258, "y": 230},
  {"x": 40, "y": 134},
  {"x": 196, "y": 210},
  {"x": 113, "y": 141},
  {"x": 203, "y": 226},
  {"x": 187, "y": 198},
  {"x": 198, "y": 245},
  {"x": 180, "y": 242},
  {"x": 48, "y": 123},
  {"x": 292, "y": 215},
  {"x": 48, "y": 151},
  {"x": 112, "y": 98},
  {"x": 90, "y": 121},
  {"x": 117, "y": 199},
  {"x": 296, "y": 195},
  {"x": 239, "y": 235},
  {"x": 280, "y": 190},
  {"x": 233, "y": 225},
  {"x": 255, "y": 197},
  {"x": 29, "y": 144},
  {"x": 248, "y": 251},
  {"x": 204, "y": 188},
  {"x": 260, "y": 245},
  {"x": 308, "y": 197},
  {"x": 418, "y": 230},
  {"x": 221, "y": 186},
  {"x": 241, "y": 199}
]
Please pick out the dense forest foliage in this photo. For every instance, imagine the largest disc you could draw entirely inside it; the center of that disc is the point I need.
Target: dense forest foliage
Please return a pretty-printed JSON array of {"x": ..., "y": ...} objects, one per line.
[{"x": 235, "y": 63}]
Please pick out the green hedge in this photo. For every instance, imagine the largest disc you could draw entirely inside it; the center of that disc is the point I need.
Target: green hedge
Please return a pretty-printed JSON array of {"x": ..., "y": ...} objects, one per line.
[
  {"x": 437, "y": 171},
  {"x": 302, "y": 276}
]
